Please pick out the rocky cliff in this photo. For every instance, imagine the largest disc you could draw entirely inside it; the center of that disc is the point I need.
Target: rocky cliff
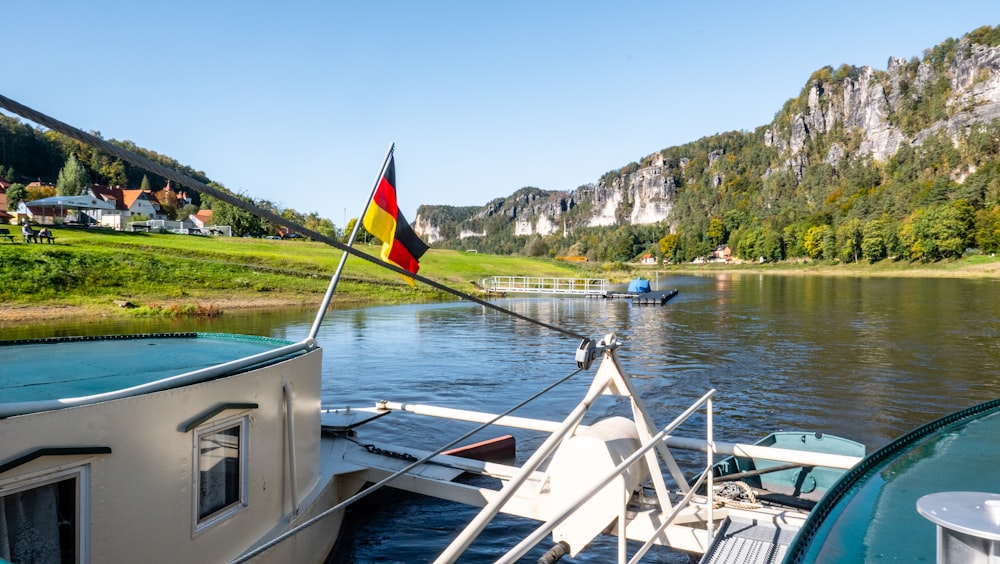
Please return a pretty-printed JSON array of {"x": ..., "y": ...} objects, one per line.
[{"x": 847, "y": 114}]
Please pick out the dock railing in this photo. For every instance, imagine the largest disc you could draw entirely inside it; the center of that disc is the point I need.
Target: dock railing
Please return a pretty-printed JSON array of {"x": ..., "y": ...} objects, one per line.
[{"x": 544, "y": 285}]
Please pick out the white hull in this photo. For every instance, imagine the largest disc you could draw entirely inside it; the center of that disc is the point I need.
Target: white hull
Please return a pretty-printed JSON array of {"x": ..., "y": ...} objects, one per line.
[{"x": 138, "y": 502}]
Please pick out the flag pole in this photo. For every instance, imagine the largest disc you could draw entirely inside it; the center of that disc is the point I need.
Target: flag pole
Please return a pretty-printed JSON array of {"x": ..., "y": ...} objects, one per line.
[{"x": 350, "y": 242}]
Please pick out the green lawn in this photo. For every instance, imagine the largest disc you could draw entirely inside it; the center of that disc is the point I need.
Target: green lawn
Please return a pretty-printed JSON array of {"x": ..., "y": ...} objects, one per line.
[{"x": 97, "y": 267}]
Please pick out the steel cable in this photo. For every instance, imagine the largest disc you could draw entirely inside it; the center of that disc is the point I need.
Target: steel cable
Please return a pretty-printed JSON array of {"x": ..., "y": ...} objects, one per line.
[{"x": 198, "y": 186}]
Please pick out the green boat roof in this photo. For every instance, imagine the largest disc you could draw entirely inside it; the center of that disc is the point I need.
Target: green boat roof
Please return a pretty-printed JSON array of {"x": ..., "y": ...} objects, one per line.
[
  {"x": 51, "y": 369},
  {"x": 871, "y": 513}
]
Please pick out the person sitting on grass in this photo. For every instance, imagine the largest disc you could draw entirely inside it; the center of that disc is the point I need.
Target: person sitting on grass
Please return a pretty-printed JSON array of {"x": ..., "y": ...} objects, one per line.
[{"x": 28, "y": 233}]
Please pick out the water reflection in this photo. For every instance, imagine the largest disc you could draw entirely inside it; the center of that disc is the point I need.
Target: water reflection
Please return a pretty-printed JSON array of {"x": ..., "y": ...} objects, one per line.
[{"x": 866, "y": 359}]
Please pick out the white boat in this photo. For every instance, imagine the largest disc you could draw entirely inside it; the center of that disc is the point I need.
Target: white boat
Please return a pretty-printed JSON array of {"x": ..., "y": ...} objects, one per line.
[
  {"x": 211, "y": 448},
  {"x": 182, "y": 448},
  {"x": 207, "y": 448}
]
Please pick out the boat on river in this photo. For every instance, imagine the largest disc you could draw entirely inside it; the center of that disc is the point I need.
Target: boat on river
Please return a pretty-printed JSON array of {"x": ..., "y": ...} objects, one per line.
[
  {"x": 209, "y": 448},
  {"x": 163, "y": 448}
]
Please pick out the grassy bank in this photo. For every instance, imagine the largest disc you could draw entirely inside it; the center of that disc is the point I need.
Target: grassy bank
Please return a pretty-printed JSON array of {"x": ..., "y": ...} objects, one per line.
[
  {"x": 165, "y": 274},
  {"x": 104, "y": 272}
]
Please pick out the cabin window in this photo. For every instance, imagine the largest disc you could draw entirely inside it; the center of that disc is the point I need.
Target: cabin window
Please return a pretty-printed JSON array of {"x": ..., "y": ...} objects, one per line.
[
  {"x": 40, "y": 519},
  {"x": 221, "y": 470}
]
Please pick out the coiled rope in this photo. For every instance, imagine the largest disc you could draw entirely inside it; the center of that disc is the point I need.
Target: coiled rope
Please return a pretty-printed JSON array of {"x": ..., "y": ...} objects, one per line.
[{"x": 735, "y": 494}]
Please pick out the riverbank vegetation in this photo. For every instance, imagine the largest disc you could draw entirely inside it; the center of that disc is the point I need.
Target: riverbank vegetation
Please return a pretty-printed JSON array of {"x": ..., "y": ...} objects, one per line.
[
  {"x": 103, "y": 272},
  {"x": 167, "y": 274}
]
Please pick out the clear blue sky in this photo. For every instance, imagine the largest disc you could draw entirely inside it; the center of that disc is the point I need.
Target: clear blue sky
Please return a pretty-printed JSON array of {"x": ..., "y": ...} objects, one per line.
[{"x": 297, "y": 101}]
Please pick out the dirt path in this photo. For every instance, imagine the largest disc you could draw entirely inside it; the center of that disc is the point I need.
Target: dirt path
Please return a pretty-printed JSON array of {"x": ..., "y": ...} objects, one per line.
[{"x": 17, "y": 313}]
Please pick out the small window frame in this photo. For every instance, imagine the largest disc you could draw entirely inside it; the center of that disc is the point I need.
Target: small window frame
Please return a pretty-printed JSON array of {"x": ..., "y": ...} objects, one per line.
[
  {"x": 240, "y": 501},
  {"x": 80, "y": 473}
]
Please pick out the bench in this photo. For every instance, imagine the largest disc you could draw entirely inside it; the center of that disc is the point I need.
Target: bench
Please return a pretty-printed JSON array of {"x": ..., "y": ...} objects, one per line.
[
  {"x": 5, "y": 234},
  {"x": 48, "y": 238}
]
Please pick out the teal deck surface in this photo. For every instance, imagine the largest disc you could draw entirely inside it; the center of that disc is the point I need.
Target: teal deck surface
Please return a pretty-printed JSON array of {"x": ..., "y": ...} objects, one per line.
[
  {"x": 871, "y": 514},
  {"x": 51, "y": 369}
]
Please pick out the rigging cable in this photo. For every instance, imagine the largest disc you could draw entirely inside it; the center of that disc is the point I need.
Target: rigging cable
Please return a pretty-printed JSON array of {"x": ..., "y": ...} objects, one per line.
[
  {"x": 188, "y": 182},
  {"x": 384, "y": 481}
]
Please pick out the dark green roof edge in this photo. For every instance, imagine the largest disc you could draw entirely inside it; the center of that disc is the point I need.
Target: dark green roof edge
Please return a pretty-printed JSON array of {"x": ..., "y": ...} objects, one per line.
[
  {"x": 52, "y": 451},
  {"x": 875, "y": 461},
  {"x": 188, "y": 335}
]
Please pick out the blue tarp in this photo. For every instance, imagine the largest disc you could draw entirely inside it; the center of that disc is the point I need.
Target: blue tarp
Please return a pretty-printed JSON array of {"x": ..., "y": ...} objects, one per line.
[{"x": 638, "y": 286}]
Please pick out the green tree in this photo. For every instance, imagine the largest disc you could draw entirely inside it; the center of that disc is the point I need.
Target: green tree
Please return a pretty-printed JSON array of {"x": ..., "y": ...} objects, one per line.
[
  {"x": 954, "y": 228},
  {"x": 849, "y": 237},
  {"x": 321, "y": 225},
  {"x": 112, "y": 173},
  {"x": 73, "y": 178},
  {"x": 16, "y": 193},
  {"x": 144, "y": 185},
  {"x": 772, "y": 245},
  {"x": 187, "y": 210},
  {"x": 829, "y": 243},
  {"x": 622, "y": 246},
  {"x": 349, "y": 227},
  {"x": 716, "y": 232},
  {"x": 813, "y": 242},
  {"x": 535, "y": 246},
  {"x": 243, "y": 223},
  {"x": 743, "y": 241},
  {"x": 875, "y": 239},
  {"x": 987, "y": 229},
  {"x": 668, "y": 246},
  {"x": 939, "y": 232}
]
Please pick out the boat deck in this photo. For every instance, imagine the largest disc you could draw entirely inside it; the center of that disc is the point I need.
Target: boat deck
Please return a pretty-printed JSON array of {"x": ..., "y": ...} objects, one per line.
[
  {"x": 750, "y": 541},
  {"x": 52, "y": 369}
]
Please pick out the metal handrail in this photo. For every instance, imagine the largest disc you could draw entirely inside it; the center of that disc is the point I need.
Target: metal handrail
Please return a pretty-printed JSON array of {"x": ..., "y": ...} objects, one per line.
[
  {"x": 545, "y": 528},
  {"x": 545, "y": 285},
  {"x": 476, "y": 526}
]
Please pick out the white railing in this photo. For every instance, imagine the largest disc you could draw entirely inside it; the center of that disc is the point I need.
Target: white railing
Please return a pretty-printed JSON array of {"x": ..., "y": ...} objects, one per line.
[
  {"x": 544, "y": 285},
  {"x": 545, "y": 528}
]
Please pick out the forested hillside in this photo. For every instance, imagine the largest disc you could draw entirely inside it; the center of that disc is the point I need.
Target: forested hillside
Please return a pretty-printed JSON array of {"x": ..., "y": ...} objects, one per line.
[
  {"x": 862, "y": 164},
  {"x": 31, "y": 154}
]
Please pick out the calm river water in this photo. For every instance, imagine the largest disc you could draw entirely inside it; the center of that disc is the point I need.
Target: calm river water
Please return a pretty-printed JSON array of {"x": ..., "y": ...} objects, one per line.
[{"x": 867, "y": 359}]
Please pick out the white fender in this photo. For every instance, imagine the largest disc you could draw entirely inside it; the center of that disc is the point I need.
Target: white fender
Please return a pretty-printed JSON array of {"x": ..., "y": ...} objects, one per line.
[{"x": 577, "y": 466}]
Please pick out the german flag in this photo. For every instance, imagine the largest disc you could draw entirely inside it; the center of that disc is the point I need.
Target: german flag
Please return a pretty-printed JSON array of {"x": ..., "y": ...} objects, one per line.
[{"x": 400, "y": 244}]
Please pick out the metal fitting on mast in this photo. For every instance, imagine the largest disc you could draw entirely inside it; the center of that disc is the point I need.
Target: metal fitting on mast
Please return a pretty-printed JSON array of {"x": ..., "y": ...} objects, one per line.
[{"x": 588, "y": 352}]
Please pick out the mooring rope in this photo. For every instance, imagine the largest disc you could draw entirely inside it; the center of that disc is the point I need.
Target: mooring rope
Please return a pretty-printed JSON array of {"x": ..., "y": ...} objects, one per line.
[
  {"x": 198, "y": 186},
  {"x": 736, "y": 494}
]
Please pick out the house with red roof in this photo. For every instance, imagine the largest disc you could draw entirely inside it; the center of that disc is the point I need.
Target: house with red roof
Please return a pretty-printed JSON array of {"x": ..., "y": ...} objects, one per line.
[
  {"x": 202, "y": 219},
  {"x": 128, "y": 203}
]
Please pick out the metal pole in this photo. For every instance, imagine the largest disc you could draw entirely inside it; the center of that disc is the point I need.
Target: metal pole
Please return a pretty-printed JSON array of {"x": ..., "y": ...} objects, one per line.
[
  {"x": 560, "y": 515},
  {"x": 476, "y": 526},
  {"x": 350, "y": 241}
]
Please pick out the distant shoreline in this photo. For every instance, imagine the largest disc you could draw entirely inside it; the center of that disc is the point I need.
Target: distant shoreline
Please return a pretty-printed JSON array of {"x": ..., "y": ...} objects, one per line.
[
  {"x": 988, "y": 268},
  {"x": 12, "y": 314}
]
